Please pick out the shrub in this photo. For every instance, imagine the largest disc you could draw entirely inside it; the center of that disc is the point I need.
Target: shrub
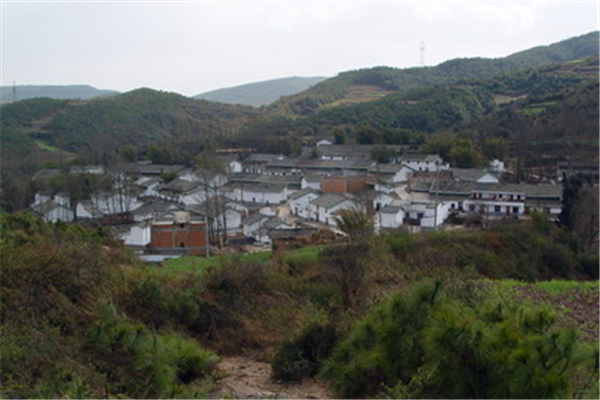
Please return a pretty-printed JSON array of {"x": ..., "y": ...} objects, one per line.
[
  {"x": 432, "y": 342},
  {"x": 303, "y": 356}
]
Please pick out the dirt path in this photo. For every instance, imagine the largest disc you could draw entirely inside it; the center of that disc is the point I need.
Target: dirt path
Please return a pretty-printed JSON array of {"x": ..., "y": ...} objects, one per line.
[{"x": 245, "y": 378}]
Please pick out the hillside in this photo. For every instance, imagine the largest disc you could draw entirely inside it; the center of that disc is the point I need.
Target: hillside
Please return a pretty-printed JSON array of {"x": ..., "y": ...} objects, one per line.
[
  {"x": 24, "y": 92},
  {"x": 450, "y": 72},
  {"x": 260, "y": 93},
  {"x": 45, "y": 131},
  {"x": 381, "y": 317}
]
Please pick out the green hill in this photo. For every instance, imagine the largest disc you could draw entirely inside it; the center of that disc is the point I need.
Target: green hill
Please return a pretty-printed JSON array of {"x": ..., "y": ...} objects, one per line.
[
  {"x": 450, "y": 72},
  {"x": 260, "y": 93},
  {"x": 24, "y": 92}
]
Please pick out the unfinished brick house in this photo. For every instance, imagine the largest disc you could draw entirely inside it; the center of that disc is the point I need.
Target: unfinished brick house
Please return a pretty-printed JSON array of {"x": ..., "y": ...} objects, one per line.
[{"x": 178, "y": 233}]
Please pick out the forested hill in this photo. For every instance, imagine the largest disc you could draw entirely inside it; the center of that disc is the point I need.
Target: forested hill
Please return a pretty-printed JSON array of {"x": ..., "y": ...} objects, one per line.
[
  {"x": 260, "y": 93},
  {"x": 43, "y": 131},
  {"x": 140, "y": 117},
  {"x": 374, "y": 83},
  {"x": 24, "y": 92}
]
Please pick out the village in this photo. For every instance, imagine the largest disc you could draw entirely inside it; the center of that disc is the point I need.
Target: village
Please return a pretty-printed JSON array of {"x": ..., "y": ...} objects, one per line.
[{"x": 254, "y": 199}]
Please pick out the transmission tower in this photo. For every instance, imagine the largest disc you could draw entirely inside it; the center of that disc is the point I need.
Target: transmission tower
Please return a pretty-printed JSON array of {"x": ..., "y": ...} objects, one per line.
[
  {"x": 422, "y": 48},
  {"x": 14, "y": 92}
]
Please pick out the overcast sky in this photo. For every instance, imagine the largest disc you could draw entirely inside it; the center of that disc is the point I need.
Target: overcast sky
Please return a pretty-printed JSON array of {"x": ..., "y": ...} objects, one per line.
[{"x": 193, "y": 47}]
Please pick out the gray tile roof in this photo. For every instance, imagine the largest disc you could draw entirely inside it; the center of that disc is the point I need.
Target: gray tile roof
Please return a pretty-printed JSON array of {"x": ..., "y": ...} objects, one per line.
[
  {"x": 254, "y": 218},
  {"x": 303, "y": 192},
  {"x": 469, "y": 174},
  {"x": 180, "y": 186},
  {"x": 391, "y": 209},
  {"x": 329, "y": 200}
]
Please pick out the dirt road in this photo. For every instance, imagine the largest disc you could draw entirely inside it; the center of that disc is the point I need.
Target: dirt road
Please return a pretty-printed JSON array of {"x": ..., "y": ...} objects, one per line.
[{"x": 245, "y": 378}]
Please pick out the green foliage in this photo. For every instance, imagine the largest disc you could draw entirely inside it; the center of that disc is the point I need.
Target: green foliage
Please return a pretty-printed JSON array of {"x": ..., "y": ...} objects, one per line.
[
  {"x": 384, "y": 347},
  {"x": 432, "y": 340},
  {"x": 401, "y": 242},
  {"x": 303, "y": 355},
  {"x": 340, "y": 136},
  {"x": 63, "y": 336},
  {"x": 140, "y": 364},
  {"x": 355, "y": 223},
  {"x": 571, "y": 187},
  {"x": 345, "y": 268}
]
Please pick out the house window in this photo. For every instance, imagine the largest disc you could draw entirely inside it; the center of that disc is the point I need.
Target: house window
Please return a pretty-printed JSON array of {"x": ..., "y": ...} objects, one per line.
[
  {"x": 497, "y": 208},
  {"x": 182, "y": 244},
  {"x": 419, "y": 215},
  {"x": 516, "y": 210},
  {"x": 471, "y": 207}
]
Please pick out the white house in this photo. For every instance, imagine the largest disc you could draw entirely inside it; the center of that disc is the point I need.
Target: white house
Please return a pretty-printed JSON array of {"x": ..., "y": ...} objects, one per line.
[
  {"x": 324, "y": 142},
  {"x": 266, "y": 193},
  {"x": 148, "y": 186},
  {"x": 474, "y": 175},
  {"x": 323, "y": 209},
  {"x": 115, "y": 203},
  {"x": 252, "y": 223},
  {"x": 87, "y": 210},
  {"x": 424, "y": 162},
  {"x": 52, "y": 211},
  {"x": 435, "y": 214},
  {"x": 391, "y": 216},
  {"x": 299, "y": 202},
  {"x": 137, "y": 235},
  {"x": 497, "y": 165},
  {"x": 393, "y": 173}
]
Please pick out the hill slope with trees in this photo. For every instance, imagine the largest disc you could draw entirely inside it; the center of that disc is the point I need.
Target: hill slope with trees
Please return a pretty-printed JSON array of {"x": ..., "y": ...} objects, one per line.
[{"x": 258, "y": 94}]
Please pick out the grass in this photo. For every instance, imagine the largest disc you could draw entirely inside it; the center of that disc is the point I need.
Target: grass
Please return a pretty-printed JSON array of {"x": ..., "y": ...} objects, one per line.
[
  {"x": 45, "y": 146},
  {"x": 198, "y": 265},
  {"x": 553, "y": 287}
]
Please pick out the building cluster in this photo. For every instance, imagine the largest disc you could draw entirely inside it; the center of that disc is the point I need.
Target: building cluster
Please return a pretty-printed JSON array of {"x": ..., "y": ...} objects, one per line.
[{"x": 261, "y": 196}]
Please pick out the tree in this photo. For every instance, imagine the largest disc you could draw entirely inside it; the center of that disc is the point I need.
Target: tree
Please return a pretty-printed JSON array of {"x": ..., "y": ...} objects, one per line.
[
  {"x": 366, "y": 134},
  {"x": 315, "y": 154},
  {"x": 571, "y": 186},
  {"x": 345, "y": 266},
  {"x": 210, "y": 169},
  {"x": 464, "y": 155},
  {"x": 339, "y": 136},
  {"x": 584, "y": 217},
  {"x": 128, "y": 153},
  {"x": 356, "y": 224}
]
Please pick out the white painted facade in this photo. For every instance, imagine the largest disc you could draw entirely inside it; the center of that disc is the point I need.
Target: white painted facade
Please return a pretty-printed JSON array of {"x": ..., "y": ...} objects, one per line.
[
  {"x": 254, "y": 194},
  {"x": 301, "y": 206},
  {"x": 138, "y": 235},
  {"x": 327, "y": 215},
  {"x": 392, "y": 217}
]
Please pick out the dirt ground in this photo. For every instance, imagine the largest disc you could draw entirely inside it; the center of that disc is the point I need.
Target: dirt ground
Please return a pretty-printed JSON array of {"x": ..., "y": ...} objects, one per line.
[{"x": 245, "y": 378}]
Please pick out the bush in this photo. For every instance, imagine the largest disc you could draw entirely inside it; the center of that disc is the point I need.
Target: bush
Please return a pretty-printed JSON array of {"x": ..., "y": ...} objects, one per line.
[
  {"x": 303, "y": 356},
  {"x": 432, "y": 342}
]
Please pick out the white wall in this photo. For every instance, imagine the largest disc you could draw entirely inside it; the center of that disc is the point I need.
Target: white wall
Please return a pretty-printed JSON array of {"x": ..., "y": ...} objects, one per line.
[
  {"x": 137, "y": 236},
  {"x": 389, "y": 220}
]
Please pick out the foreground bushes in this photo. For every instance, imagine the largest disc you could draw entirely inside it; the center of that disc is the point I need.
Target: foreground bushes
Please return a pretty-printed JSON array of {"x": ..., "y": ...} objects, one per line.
[
  {"x": 63, "y": 331},
  {"x": 440, "y": 341}
]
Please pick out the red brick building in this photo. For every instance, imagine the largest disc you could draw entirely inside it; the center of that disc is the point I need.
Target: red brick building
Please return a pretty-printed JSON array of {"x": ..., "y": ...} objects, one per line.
[
  {"x": 180, "y": 235},
  {"x": 344, "y": 184}
]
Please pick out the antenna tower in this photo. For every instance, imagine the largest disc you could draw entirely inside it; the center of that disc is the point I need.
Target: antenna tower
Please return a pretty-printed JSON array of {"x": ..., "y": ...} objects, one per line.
[
  {"x": 422, "y": 48},
  {"x": 14, "y": 92}
]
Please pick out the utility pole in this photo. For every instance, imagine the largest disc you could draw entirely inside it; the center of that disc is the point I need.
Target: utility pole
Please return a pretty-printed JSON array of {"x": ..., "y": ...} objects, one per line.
[{"x": 422, "y": 48}]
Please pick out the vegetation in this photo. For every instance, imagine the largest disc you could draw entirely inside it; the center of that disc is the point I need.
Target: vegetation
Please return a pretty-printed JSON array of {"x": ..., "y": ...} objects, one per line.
[
  {"x": 347, "y": 312},
  {"x": 445, "y": 340},
  {"x": 63, "y": 331}
]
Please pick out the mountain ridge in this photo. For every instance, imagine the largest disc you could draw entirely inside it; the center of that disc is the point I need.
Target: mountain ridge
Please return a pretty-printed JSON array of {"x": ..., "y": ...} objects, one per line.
[
  {"x": 260, "y": 93},
  {"x": 59, "y": 92}
]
